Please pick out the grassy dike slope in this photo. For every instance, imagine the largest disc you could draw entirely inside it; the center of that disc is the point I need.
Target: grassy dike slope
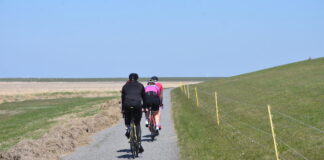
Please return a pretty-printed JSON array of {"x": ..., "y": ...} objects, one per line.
[{"x": 296, "y": 94}]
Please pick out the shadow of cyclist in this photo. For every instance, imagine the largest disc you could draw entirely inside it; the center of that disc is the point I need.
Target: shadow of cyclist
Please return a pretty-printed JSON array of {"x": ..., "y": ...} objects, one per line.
[{"x": 125, "y": 156}]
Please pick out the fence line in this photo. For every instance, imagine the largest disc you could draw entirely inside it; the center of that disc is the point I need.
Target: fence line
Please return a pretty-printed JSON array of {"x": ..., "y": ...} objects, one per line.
[
  {"x": 273, "y": 133},
  {"x": 282, "y": 114},
  {"x": 265, "y": 132},
  {"x": 197, "y": 99},
  {"x": 217, "y": 111},
  {"x": 300, "y": 122},
  {"x": 279, "y": 139},
  {"x": 250, "y": 138}
]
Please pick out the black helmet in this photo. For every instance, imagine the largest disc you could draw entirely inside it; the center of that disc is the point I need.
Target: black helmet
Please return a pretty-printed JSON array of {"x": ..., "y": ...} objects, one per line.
[
  {"x": 155, "y": 78},
  {"x": 133, "y": 76},
  {"x": 150, "y": 82}
]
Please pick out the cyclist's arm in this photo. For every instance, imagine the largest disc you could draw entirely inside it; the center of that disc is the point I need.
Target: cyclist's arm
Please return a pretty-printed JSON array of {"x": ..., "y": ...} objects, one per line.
[
  {"x": 161, "y": 97},
  {"x": 143, "y": 92},
  {"x": 122, "y": 99},
  {"x": 143, "y": 95}
]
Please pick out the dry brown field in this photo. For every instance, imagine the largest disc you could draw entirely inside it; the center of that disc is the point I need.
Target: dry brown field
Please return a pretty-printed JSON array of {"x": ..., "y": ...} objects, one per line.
[{"x": 20, "y": 91}]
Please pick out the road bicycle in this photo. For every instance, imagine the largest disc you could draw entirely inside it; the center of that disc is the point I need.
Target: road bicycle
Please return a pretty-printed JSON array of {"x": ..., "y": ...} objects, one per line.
[
  {"x": 133, "y": 139},
  {"x": 152, "y": 123}
]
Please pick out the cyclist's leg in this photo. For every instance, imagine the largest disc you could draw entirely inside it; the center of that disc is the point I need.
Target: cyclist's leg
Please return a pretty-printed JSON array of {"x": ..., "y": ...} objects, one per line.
[
  {"x": 159, "y": 118},
  {"x": 146, "y": 115},
  {"x": 155, "y": 109},
  {"x": 138, "y": 116},
  {"x": 160, "y": 107},
  {"x": 128, "y": 118}
]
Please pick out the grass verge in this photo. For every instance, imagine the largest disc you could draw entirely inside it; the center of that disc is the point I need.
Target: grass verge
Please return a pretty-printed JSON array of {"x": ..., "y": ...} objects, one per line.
[
  {"x": 32, "y": 118},
  {"x": 296, "y": 93}
]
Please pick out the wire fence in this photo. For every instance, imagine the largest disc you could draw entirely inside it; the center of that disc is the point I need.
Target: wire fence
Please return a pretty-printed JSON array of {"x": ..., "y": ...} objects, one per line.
[{"x": 200, "y": 99}]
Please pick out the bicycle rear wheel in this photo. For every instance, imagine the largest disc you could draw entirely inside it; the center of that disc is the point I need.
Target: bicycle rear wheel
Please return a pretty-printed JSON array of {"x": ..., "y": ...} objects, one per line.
[
  {"x": 134, "y": 146},
  {"x": 152, "y": 127}
]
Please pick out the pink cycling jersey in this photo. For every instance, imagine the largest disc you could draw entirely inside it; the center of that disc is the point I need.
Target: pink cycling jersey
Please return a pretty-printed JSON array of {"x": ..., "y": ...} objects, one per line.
[
  {"x": 154, "y": 88},
  {"x": 158, "y": 84}
]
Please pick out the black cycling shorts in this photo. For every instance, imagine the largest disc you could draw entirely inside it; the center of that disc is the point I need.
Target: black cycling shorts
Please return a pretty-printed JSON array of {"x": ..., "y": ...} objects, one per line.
[
  {"x": 155, "y": 108},
  {"x": 133, "y": 111},
  {"x": 153, "y": 102}
]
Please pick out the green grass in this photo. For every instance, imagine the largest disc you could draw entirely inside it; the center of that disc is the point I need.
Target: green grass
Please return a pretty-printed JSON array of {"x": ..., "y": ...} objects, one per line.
[
  {"x": 296, "y": 94},
  {"x": 32, "y": 118}
]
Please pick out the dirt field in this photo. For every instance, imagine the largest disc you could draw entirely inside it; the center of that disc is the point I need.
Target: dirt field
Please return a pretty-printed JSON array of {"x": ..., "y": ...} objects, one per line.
[
  {"x": 17, "y": 88},
  {"x": 20, "y": 91}
]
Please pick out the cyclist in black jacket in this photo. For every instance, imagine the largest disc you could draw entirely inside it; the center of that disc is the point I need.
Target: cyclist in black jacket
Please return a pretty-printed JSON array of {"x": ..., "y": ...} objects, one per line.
[{"x": 132, "y": 102}]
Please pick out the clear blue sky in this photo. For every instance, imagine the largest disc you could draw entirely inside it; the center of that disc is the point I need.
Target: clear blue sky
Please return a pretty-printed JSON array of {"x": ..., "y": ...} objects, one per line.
[{"x": 111, "y": 38}]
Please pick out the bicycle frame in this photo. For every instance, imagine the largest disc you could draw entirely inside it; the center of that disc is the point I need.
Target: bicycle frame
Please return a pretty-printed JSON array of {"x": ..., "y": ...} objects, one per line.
[{"x": 152, "y": 124}]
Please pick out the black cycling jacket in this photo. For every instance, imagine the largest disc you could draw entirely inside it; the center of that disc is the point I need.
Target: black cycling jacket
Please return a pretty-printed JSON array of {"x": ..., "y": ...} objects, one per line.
[{"x": 132, "y": 94}]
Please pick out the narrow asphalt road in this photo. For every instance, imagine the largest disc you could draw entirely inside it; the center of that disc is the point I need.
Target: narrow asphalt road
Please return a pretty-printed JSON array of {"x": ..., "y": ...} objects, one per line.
[{"x": 112, "y": 144}]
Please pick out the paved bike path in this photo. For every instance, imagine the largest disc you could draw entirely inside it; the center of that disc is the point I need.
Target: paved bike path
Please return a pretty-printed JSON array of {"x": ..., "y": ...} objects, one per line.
[{"x": 112, "y": 144}]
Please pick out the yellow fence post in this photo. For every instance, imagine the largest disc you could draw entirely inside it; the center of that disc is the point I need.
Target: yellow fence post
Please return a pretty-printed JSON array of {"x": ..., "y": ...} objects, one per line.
[
  {"x": 217, "y": 115},
  {"x": 197, "y": 97},
  {"x": 188, "y": 92},
  {"x": 273, "y": 133}
]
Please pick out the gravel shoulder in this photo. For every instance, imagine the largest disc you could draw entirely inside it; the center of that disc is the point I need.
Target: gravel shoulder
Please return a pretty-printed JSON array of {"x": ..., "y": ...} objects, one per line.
[{"x": 112, "y": 144}]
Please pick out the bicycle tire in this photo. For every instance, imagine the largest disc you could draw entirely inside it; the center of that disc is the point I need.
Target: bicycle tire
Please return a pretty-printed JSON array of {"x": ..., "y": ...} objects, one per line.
[
  {"x": 136, "y": 149},
  {"x": 133, "y": 140},
  {"x": 132, "y": 150},
  {"x": 152, "y": 133},
  {"x": 152, "y": 126}
]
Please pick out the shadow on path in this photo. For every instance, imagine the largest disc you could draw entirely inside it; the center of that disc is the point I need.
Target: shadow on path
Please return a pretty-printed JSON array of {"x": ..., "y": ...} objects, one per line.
[
  {"x": 125, "y": 156},
  {"x": 149, "y": 135},
  {"x": 124, "y": 150},
  {"x": 147, "y": 138}
]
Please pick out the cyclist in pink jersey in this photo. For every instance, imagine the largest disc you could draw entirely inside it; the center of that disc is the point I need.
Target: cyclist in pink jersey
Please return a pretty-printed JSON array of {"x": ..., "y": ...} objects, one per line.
[
  {"x": 152, "y": 99},
  {"x": 156, "y": 79}
]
